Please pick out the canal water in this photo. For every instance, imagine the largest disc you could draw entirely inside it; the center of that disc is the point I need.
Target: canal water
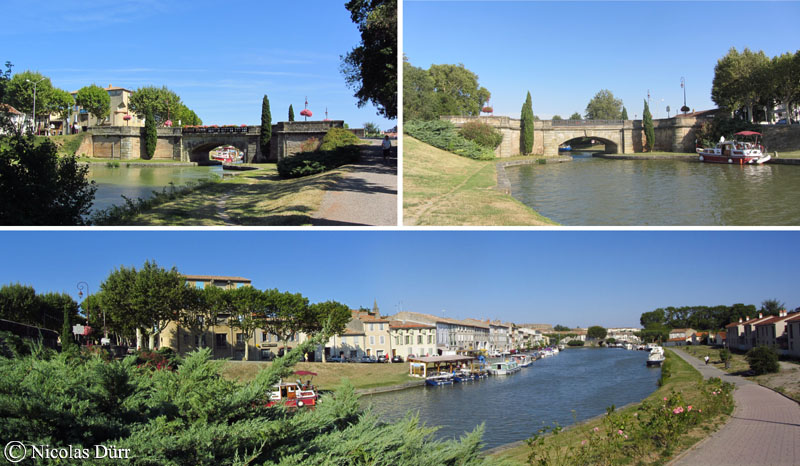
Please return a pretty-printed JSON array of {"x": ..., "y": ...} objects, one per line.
[
  {"x": 593, "y": 191},
  {"x": 135, "y": 182},
  {"x": 586, "y": 380}
]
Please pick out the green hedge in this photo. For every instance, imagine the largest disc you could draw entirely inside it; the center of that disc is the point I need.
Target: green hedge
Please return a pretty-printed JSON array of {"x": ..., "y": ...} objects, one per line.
[
  {"x": 311, "y": 163},
  {"x": 445, "y": 136},
  {"x": 483, "y": 134},
  {"x": 338, "y": 137}
]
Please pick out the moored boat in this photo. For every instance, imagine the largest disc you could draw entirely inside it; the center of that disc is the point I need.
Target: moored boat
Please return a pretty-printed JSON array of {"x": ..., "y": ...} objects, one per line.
[
  {"x": 736, "y": 152},
  {"x": 293, "y": 394},
  {"x": 656, "y": 356},
  {"x": 442, "y": 378},
  {"x": 503, "y": 367}
]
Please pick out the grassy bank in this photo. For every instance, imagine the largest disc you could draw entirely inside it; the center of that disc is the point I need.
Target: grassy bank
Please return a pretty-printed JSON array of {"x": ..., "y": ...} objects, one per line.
[
  {"x": 441, "y": 188},
  {"x": 683, "y": 383},
  {"x": 256, "y": 197},
  {"x": 787, "y": 381},
  {"x": 329, "y": 375}
]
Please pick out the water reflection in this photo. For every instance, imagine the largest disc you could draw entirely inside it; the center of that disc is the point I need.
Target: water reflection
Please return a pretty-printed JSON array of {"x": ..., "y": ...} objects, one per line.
[
  {"x": 514, "y": 407},
  {"x": 593, "y": 191},
  {"x": 135, "y": 182}
]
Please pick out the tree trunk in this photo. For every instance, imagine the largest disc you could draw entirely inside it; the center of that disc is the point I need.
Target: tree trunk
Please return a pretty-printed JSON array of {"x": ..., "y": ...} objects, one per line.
[
  {"x": 138, "y": 339},
  {"x": 151, "y": 341},
  {"x": 247, "y": 349}
]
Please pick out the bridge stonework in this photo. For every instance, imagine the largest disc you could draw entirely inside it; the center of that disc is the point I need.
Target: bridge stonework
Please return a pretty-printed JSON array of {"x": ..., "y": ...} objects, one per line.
[
  {"x": 193, "y": 145},
  {"x": 620, "y": 137}
]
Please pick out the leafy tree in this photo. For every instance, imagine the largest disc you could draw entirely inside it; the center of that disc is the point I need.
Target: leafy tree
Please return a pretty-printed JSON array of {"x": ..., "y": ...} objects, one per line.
[
  {"x": 18, "y": 303},
  {"x": 62, "y": 104},
  {"x": 266, "y": 127},
  {"x": 482, "y": 133},
  {"x": 164, "y": 103},
  {"x": 596, "y": 332},
  {"x": 52, "y": 307},
  {"x": 144, "y": 301},
  {"x": 740, "y": 80},
  {"x": 66, "y": 331},
  {"x": 285, "y": 314},
  {"x": 771, "y": 307},
  {"x": 248, "y": 313},
  {"x": 561, "y": 328},
  {"x": 150, "y": 134},
  {"x": 371, "y": 67},
  {"x": 652, "y": 317},
  {"x": 41, "y": 188},
  {"x": 575, "y": 116},
  {"x": 654, "y": 333},
  {"x": 785, "y": 80},
  {"x": 371, "y": 128},
  {"x": 457, "y": 91},
  {"x": 95, "y": 100},
  {"x": 330, "y": 316},
  {"x": 649, "y": 130},
  {"x": 187, "y": 116},
  {"x": 419, "y": 101},
  {"x": 291, "y": 113},
  {"x": 604, "y": 106},
  {"x": 624, "y": 113},
  {"x": 762, "y": 360},
  {"x": 20, "y": 90},
  {"x": 526, "y": 134},
  {"x": 556, "y": 118}
]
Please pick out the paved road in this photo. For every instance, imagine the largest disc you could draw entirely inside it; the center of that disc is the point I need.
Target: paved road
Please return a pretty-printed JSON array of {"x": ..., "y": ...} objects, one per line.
[
  {"x": 764, "y": 428},
  {"x": 367, "y": 195}
]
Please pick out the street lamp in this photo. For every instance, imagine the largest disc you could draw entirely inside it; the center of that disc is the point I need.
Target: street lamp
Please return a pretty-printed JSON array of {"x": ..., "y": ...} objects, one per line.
[
  {"x": 34, "y": 99},
  {"x": 684, "y": 109}
]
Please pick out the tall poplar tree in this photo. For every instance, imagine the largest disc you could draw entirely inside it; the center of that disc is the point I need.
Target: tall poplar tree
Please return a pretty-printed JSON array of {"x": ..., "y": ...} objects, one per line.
[
  {"x": 150, "y": 134},
  {"x": 526, "y": 138},
  {"x": 649, "y": 131},
  {"x": 266, "y": 127},
  {"x": 291, "y": 113},
  {"x": 624, "y": 113}
]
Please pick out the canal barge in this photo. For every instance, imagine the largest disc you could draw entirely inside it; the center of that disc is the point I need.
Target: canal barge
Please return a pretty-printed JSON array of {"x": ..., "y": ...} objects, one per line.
[
  {"x": 442, "y": 378},
  {"x": 294, "y": 394},
  {"x": 504, "y": 368},
  {"x": 736, "y": 152}
]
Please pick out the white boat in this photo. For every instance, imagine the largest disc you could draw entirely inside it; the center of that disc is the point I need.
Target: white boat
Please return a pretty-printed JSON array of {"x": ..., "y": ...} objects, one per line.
[
  {"x": 736, "y": 152},
  {"x": 656, "y": 356},
  {"x": 503, "y": 367},
  {"x": 442, "y": 378}
]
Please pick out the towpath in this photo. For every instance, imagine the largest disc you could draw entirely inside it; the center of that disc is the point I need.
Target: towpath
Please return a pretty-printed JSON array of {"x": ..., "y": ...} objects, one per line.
[
  {"x": 763, "y": 430},
  {"x": 366, "y": 195}
]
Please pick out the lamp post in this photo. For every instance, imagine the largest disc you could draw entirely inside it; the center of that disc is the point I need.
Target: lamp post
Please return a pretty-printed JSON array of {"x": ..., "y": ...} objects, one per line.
[
  {"x": 684, "y": 109},
  {"x": 34, "y": 100}
]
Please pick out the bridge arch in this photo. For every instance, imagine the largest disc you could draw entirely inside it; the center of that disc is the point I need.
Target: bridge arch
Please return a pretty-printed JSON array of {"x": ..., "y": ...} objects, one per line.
[
  {"x": 199, "y": 151},
  {"x": 611, "y": 147}
]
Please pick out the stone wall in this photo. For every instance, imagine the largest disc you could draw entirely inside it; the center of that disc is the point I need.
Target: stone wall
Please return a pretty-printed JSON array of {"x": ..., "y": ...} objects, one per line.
[
  {"x": 288, "y": 136},
  {"x": 781, "y": 137}
]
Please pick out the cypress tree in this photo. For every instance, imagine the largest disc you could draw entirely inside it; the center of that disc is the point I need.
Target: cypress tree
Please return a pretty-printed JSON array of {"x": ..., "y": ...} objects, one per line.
[
  {"x": 526, "y": 136},
  {"x": 266, "y": 127},
  {"x": 624, "y": 113},
  {"x": 150, "y": 134},
  {"x": 66, "y": 331},
  {"x": 291, "y": 113},
  {"x": 649, "y": 131}
]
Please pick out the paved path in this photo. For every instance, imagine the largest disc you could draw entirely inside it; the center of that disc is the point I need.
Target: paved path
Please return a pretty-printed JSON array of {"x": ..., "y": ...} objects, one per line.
[
  {"x": 764, "y": 428},
  {"x": 367, "y": 195}
]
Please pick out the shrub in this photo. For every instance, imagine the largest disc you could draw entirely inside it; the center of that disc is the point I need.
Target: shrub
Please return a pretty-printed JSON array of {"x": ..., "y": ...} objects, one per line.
[
  {"x": 763, "y": 360},
  {"x": 482, "y": 133},
  {"x": 311, "y": 163},
  {"x": 338, "y": 137},
  {"x": 310, "y": 145},
  {"x": 443, "y": 135},
  {"x": 575, "y": 343}
]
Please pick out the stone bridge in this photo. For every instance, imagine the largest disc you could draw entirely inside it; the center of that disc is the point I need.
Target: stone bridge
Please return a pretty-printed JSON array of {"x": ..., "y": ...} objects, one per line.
[
  {"x": 193, "y": 144},
  {"x": 618, "y": 136}
]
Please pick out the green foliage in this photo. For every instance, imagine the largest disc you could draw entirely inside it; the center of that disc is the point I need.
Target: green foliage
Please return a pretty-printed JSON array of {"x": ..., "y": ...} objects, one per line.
[
  {"x": 62, "y": 103},
  {"x": 370, "y": 69},
  {"x": 741, "y": 80},
  {"x": 123, "y": 214},
  {"x": 291, "y": 113},
  {"x": 561, "y": 328},
  {"x": 604, "y": 106},
  {"x": 371, "y": 129},
  {"x": 575, "y": 343},
  {"x": 162, "y": 102},
  {"x": 484, "y": 134},
  {"x": 575, "y": 116},
  {"x": 556, "y": 118},
  {"x": 266, "y": 127},
  {"x": 339, "y": 137},
  {"x": 762, "y": 360},
  {"x": 696, "y": 317},
  {"x": 526, "y": 126},
  {"x": 772, "y": 307},
  {"x": 596, "y": 332},
  {"x": 39, "y": 187},
  {"x": 150, "y": 135},
  {"x": 649, "y": 130},
  {"x": 441, "y": 90},
  {"x": 445, "y": 136},
  {"x": 95, "y": 100},
  {"x": 624, "y": 113},
  {"x": 310, "y": 163},
  {"x": 20, "y": 89},
  {"x": 186, "y": 116}
]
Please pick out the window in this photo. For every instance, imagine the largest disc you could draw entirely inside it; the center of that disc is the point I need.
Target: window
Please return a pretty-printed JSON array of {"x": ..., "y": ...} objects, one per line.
[
  {"x": 240, "y": 338},
  {"x": 221, "y": 339},
  {"x": 199, "y": 285},
  {"x": 430, "y": 339},
  {"x": 419, "y": 339},
  {"x": 383, "y": 342},
  {"x": 397, "y": 340},
  {"x": 371, "y": 340},
  {"x": 408, "y": 339},
  {"x": 353, "y": 354},
  {"x": 380, "y": 326},
  {"x": 264, "y": 336}
]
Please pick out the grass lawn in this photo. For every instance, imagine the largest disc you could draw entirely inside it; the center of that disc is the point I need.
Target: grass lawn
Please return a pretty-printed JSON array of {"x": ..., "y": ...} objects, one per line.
[
  {"x": 684, "y": 379},
  {"x": 257, "y": 197},
  {"x": 441, "y": 188},
  {"x": 329, "y": 375},
  {"x": 789, "y": 154},
  {"x": 738, "y": 363}
]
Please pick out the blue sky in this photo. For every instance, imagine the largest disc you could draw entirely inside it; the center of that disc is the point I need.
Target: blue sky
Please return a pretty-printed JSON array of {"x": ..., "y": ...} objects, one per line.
[
  {"x": 563, "y": 277},
  {"x": 565, "y": 52},
  {"x": 221, "y": 58}
]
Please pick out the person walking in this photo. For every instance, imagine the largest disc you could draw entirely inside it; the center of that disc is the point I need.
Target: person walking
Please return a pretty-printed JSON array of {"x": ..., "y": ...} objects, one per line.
[
  {"x": 387, "y": 146},
  {"x": 706, "y": 359}
]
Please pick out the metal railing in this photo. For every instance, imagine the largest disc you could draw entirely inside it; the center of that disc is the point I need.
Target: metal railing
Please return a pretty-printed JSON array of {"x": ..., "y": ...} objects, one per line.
[{"x": 586, "y": 122}]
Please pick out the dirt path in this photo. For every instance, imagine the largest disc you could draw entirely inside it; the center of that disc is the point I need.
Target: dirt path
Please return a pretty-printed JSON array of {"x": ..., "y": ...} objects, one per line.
[
  {"x": 367, "y": 195},
  {"x": 764, "y": 428}
]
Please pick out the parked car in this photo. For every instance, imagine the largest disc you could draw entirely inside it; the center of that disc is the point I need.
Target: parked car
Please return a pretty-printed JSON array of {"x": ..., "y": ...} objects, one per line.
[
  {"x": 383, "y": 358},
  {"x": 397, "y": 358},
  {"x": 366, "y": 359},
  {"x": 335, "y": 359}
]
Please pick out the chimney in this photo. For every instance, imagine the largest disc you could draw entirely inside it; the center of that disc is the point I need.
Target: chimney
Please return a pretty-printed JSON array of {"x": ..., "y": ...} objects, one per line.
[
  {"x": 746, "y": 318},
  {"x": 759, "y": 315},
  {"x": 740, "y": 320},
  {"x": 782, "y": 313}
]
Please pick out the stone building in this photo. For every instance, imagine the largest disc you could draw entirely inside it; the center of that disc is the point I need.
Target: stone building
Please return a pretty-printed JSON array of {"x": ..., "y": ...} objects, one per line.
[{"x": 120, "y": 98}]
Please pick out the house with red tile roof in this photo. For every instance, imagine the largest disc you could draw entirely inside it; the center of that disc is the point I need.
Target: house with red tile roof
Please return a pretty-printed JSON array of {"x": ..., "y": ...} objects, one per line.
[
  {"x": 793, "y": 335},
  {"x": 771, "y": 332}
]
